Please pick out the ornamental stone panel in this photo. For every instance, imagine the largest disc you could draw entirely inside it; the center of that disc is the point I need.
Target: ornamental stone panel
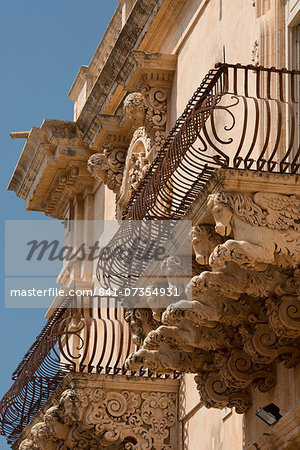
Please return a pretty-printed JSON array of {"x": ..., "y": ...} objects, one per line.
[{"x": 106, "y": 412}]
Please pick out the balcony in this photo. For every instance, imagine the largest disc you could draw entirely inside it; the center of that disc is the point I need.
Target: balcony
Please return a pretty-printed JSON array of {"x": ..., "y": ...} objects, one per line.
[
  {"x": 231, "y": 166},
  {"x": 90, "y": 338},
  {"x": 234, "y": 151},
  {"x": 240, "y": 117}
]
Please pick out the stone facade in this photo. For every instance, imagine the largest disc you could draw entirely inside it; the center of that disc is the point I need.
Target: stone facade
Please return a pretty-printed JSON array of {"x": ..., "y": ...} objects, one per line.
[{"x": 234, "y": 333}]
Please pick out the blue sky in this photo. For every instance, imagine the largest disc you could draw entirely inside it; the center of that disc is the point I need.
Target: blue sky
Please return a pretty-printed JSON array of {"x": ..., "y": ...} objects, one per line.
[{"x": 42, "y": 45}]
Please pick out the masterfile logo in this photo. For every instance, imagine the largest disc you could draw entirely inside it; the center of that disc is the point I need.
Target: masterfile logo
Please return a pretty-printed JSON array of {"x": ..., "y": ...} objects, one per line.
[{"x": 39, "y": 252}]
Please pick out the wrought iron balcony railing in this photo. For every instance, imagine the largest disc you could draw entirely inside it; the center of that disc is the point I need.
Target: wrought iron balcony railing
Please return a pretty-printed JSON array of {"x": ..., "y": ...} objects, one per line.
[
  {"x": 93, "y": 339},
  {"x": 241, "y": 117}
]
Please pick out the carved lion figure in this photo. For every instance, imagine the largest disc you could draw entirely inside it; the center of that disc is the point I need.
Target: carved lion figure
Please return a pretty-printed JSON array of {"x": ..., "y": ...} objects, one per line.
[{"x": 265, "y": 229}]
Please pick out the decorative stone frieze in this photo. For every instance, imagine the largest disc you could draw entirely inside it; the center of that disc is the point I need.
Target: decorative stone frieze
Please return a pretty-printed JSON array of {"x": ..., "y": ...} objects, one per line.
[
  {"x": 237, "y": 318},
  {"x": 255, "y": 52},
  {"x": 156, "y": 98},
  {"x": 136, "y": 166},
  {"x": 135, "y": 108},
  {"x": 149, "y": 105},
  {"x": 101, "y": 412},
  {"x": 146, "y": 111},
  {"x": 140, "y": 166},
  {"x": 139, "y": 119},
  {"x": 141, "y": 323},
  {"x": 266, "y": 229},
  {"x": 66, "y": 185},
  {"x": 108, "y": 166}
]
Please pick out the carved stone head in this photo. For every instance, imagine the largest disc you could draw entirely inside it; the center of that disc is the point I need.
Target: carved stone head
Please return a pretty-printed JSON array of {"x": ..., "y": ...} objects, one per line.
[
  {"x": 42, "y": 436},
  {"x": 204, "y": 240},
  {"x": 70, "y": 403},
  {"x": 222, "y": 213},
  {"x": 98, "y": 166},
  {"x": 135, "y": 108}
]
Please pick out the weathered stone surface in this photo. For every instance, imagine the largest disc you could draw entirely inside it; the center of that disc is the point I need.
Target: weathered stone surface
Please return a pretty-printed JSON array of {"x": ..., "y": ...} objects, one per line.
[{"x": 108, "y": 167}]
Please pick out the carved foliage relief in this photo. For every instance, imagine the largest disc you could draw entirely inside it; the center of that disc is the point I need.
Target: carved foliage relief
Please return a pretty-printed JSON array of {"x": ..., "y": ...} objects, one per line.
[
  {"x": 96, "y": 419},
  {"x": 241, "y": 310}
]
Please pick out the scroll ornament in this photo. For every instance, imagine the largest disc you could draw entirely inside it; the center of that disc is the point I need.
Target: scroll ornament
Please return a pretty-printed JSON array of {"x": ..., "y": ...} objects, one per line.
[
  {"x": 148, "y": 107},
  {"x": 94, "y": 418},
  {"x": 242, "y": 311}
]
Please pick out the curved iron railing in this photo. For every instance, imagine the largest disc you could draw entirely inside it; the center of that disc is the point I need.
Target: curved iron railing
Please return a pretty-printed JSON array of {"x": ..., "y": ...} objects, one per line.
[
  {"x": 94, "y": 338},
  {"x": 256, "y": 100},
  {"x": 198, "y": 144},
  {"x": 130, "y": 251},
  {"x": 234, "y": 120}
]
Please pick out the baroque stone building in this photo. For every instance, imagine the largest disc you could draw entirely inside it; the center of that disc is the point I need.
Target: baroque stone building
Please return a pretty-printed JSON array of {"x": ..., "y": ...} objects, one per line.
[{"x": 188, "y": 110}]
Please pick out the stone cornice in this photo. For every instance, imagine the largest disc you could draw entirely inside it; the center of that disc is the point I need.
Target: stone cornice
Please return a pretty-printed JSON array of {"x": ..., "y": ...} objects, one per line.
[
  {"x": 118, "y": 63},
  {"x": 100, "y": 56},
  {"x": 53, "y": 158},
  {"x": 156, "y": 69}
]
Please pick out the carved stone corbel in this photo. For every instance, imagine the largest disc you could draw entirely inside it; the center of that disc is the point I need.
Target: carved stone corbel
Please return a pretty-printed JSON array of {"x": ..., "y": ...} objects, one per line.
[
  {"x": 276, "y": 216},
  {"x": 242, "y": 314},
  {"x": 147, "y": 110},
  {"x": 215, "y": 393},
  {"x": 108, "y": 167}
]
